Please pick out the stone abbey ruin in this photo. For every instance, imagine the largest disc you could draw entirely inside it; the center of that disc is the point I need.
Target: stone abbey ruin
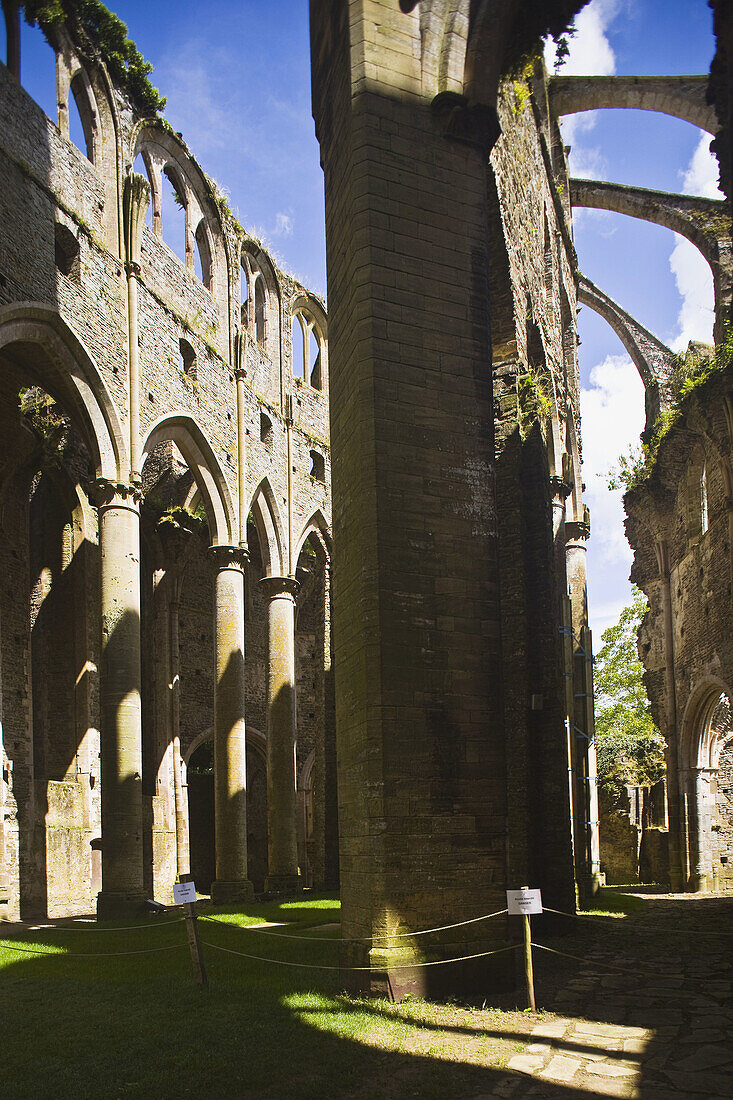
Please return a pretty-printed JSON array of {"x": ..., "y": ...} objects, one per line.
[{"x": 421, "y": 732}]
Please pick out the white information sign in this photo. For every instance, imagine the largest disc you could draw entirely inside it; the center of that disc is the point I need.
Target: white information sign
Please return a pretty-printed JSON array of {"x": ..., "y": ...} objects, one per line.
[
  {"x": 184, "y": 892},
  {"x": 523, "y": 902}
]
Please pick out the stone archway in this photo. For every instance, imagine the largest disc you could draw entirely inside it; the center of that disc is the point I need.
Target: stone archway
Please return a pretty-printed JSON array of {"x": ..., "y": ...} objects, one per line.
[
  {"x": 710, "y": 795},
  {"x": 200, "y": 799}
]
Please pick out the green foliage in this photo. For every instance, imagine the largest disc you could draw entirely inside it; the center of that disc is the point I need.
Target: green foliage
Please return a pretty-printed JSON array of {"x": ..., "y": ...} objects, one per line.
[
  {"x": 42, "y": 414},
  {"x": 534, "y": 401},
  {"x": 630, "y": 748},
  {"x": 692, "y": 369},
  {"x": 99, "y": 32},
  {"x": 540, "y": 19}
]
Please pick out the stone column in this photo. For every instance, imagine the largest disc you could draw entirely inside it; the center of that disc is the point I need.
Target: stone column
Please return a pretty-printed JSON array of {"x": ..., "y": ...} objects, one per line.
[
  {"x": 135, "y": 199},
  {"x": 230, "y": 761},
  {"x": 282, "y": 845},
  {"x": 674, "y": 790},
  {"x": 584, "y": 746},
  {"x": 702, "y": 872},
  {"x": 183, "y": 855},
  {"x": 123, "y": 891}
]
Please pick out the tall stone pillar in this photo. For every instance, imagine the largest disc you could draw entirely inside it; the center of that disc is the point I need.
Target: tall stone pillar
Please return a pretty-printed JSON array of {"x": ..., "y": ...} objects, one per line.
[
  {"x": 123, "y": 891},
  {"x": 702, "y": 856},
  {"x": 183, "y": 854},
  {"x": 417, "y": 652},
  {"x": 230, "y": 759},
  {"x": 586, "y": 825},
  {"x": 282, "y": 833},
  {"x": 678, "y": 845}
]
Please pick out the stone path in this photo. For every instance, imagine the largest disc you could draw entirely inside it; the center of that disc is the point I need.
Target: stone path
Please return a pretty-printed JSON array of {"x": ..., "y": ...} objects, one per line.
[{"x": 664, "y": 1030}]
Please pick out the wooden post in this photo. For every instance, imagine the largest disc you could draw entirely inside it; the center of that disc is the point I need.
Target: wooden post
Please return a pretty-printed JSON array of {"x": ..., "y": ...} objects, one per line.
[
  {"x": 528, "y": 973},
  {"x": 194, "y": 943}
]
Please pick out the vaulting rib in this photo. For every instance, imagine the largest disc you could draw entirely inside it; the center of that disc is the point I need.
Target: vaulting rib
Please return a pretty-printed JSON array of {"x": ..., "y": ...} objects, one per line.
[
  {"x": 704, "y": 222},
  {"x": 654, "y": 361},
  {"x": 680, "y": 96}
]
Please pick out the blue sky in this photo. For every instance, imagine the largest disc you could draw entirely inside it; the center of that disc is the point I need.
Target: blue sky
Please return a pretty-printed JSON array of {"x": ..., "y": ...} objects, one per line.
[{"x": 236, "y": 76}]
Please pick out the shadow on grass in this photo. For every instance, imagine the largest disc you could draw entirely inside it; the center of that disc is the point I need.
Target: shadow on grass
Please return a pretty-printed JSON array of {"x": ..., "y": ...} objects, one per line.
[{"x": 137, "y": 1025}]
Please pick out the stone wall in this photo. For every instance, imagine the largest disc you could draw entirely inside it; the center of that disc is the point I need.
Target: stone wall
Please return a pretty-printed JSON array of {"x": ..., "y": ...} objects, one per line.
[
  {"x": 249, "y": 458},
  {"x": 679, "y": 525}
]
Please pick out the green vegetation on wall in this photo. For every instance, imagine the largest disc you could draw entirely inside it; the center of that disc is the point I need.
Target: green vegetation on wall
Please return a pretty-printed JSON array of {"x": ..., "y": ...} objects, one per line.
[{"x": 98, "y": 32}]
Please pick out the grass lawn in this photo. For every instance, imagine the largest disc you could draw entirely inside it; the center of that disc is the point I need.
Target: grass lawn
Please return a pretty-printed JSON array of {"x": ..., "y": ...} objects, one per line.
[{"x": 137, "y": 1025}]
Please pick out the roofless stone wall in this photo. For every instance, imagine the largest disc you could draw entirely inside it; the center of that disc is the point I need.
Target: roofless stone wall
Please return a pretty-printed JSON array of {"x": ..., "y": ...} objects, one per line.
[{"x": 172, "y": 403}]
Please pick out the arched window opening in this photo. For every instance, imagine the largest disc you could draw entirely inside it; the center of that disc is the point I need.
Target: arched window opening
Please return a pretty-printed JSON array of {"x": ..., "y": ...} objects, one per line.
[
  {"x": 81, "y": 117},
  {"x": 703, "y": 500},
  {"x": 66, "y": 248},
  {"x": 244, "y": 292},
  {"x": 38, "y": 69},
  {"x": 260, "y": 310},
  {"x": 710, "y": 792},
  {"x": 174, "y": 214},
  {"x": 265, "y": 428},
  {"x": 318, "y": 466},
  {"x": 316, "y": 378},
  {"x": 141, "y": 169},
  {"x": 203, "y": 266},
  {"x": 187, "y": 359},
  {"x": 298, "y": 347}
]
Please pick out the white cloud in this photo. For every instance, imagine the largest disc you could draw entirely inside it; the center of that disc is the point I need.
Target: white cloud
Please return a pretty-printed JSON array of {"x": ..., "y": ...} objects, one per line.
[
  {"x": 613, "y": 417},
  {"x": 283, "y": 224},
  {"x": 694, "y": 281},
  {"x": 701, "y": 174},
  {"x": 691, "y": 272},
  {"x": 612, "y": 409},
  {"x": 591, "y": 53}
]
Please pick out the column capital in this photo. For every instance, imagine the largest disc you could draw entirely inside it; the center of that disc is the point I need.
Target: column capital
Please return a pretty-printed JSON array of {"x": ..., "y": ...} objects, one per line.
[
  {"x": 230, "y": 557},
  {"x": 559, "y": 488},
  {"x": 274, "y": 587},
  {"x": 577, "y": 532},
  {"x": 105, "y": 493}
]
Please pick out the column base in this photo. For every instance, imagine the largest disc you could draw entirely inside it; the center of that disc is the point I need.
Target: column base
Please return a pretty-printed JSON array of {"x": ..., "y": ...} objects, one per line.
[
  {"x": 395, "y": 973},
  {"x": 120, "y": 905},
  {"x": 283, "y": 884},
  {"x": 231, "y": 893}
]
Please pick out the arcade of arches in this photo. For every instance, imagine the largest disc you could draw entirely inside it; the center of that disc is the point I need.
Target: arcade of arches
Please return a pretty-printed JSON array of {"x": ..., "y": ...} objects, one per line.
[{"x": 166, "y": 494}]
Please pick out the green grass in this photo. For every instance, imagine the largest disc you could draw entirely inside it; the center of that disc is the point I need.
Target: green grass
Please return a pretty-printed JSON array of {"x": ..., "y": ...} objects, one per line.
[
  {"x": 610, "y": 903},
  {"x": 138, "y": 1025}
]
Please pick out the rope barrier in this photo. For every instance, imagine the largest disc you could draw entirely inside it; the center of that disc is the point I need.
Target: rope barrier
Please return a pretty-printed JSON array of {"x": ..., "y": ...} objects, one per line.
[
  {"x": 70, "y": 928},
  {"x": 92, "y": 955},
  {"x": 358, "y": 939},
  {"x": 625, "y": 970},
  {"x": 367, "y": 969},
  {"x": 637, "y": 931}
]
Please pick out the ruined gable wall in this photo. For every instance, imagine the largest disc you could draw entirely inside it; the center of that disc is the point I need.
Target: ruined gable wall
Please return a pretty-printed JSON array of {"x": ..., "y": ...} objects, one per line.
[{"x": 664, "y": 510}]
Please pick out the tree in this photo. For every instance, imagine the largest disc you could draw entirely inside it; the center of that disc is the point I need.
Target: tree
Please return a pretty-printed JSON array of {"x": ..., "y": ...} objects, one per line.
[{"x": 630, "y": 748}]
